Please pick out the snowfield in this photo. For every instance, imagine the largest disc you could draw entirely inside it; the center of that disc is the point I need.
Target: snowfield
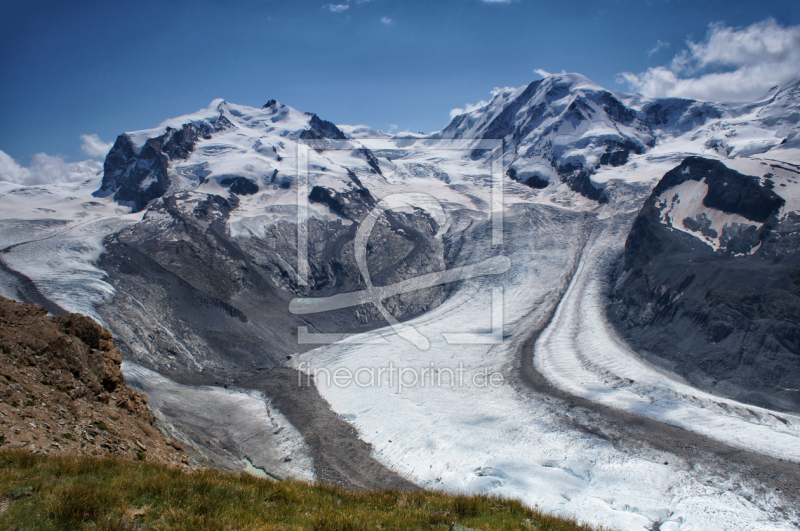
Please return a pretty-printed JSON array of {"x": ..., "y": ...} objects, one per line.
[
  {"x": 580, "y": 353},
  {"x": 245, "y": 420},
  {"x": 501, "y": 439},
  {"x": 54, "y": 234},
  {"x": 456, "y": 415}
]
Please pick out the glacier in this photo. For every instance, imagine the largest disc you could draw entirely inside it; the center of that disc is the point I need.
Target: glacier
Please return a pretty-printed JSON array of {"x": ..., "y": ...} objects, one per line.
[{"x": 584, "y": 161}]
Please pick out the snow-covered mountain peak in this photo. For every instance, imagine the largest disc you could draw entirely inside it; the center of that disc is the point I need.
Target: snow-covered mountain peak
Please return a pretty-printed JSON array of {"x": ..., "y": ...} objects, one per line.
[
  {"x": 549, "y": 97},
  {"x": 562, "y": 132},
  {"x": 563, "y": 127},
  {"x": 233, "y": 145},
  {"x": 199, "y": 273}
]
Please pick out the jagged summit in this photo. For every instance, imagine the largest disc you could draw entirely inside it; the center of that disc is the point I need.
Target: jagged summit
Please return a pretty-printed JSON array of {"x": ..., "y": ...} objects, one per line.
[
  {"x": 233, "y": 145},
  {"x": 565, "y": 128},
  {"x": 560, "y": 129},
  {"x": 200, "y": 289}
]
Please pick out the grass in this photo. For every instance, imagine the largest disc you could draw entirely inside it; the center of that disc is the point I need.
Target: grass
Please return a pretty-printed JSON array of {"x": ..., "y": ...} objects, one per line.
[{"x": 81, "y": 493}]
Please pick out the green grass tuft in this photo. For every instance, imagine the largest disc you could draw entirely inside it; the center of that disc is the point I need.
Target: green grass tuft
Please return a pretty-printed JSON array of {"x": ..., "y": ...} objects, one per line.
[{"x": 80, "y": 493}]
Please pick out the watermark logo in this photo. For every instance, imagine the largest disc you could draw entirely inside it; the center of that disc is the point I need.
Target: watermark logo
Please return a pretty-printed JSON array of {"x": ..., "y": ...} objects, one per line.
[
  {"x": 398, "y": 378},
  {"x": 375, "y": 295}
]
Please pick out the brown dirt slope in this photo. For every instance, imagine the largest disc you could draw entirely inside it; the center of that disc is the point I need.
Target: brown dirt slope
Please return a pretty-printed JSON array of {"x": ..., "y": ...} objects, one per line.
[{"x": 62, "y": 391}]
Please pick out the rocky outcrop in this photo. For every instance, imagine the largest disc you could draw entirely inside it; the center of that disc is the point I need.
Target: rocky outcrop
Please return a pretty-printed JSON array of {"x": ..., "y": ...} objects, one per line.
[
  {"x": 529, "y": 178},
  {"x": 224, "y": 298},
  {"x": 62, "y": 390},
  {"x": 679, "y": 113},
  {"x": 319, "y": 129},
  {"x": 728, "y": 190},
  {"x": 138, "y": 176},
  {"x": 726, "y": 320},
  {"x": 239, "y": 185}
]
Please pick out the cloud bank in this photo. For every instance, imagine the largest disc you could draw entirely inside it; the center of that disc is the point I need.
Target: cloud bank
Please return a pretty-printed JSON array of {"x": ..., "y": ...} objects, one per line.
[
  {"x": 730, "y": 64},
  {"x": 47, "y": 169}
]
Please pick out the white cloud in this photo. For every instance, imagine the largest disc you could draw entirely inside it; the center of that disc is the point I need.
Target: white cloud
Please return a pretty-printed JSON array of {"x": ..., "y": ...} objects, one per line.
[
  {"x": 46, "y": 169},
  {"x": 469, "y": 107},
  {"x": 340, "y": 8},
  {"x": 337, "y": 8},
  {"x": 730, "y": 64},
  {"x": 542, "y": 72},
  {"x": 659, "y": 46},
  {"x": 502, "y": 90},
  {"x": 94, "y": 147},
  {"x": 387, "y": 21}
]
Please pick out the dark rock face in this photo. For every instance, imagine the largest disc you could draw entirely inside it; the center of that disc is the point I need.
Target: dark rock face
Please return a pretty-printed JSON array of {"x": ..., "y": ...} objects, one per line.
[
  {"x": 239, "y": 185},
  {"x": 372, "y": 161},
  {"x": 728, "y": 190},
  {"x": 319, "y": 129},
  {"x": 138, "y": 178},
  {"x": 580, "y": 181},
  {"x": 617, "y": 152},
  {"x": 135, "y": 178},
  {"x": 353, "y": 204},
  {"x": 739, "y": 238},
  {"x": 679, "y": 113},
  {"x": 700, "y": 223},
  {"x": 528, "y": 178},
  {"x": 616, "y": 109},
  {"x": 729, "y": 324}
]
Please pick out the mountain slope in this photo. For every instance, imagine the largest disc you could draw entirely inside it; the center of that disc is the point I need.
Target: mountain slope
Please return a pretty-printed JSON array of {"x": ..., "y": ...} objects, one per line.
[
  {"x": 709, "y": 283},
  {"x": 62, "y": 391},
  {"x": 205, "y": 284},
  {"x": 564, "y": 128}
]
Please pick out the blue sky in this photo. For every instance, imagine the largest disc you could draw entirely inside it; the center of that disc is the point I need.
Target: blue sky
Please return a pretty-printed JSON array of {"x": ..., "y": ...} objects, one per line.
[{"x": 82, "y": 68}]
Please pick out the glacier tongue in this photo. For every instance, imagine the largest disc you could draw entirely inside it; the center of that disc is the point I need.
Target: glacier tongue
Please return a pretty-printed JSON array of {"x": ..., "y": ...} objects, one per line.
[
  {"x": 580, "y": 161},
  {"x": 54, "y": 236},
  {"x": 505, "y": 440}
]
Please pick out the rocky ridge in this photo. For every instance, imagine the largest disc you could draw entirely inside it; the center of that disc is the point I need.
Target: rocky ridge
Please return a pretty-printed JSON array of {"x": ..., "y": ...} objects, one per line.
[
  {"x": 62, "y": 391},
  {"x": 719, "y": 306}
]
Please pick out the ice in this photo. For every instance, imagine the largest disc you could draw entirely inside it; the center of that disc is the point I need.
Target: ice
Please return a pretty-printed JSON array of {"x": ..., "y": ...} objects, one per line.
[
  {"x": 54, "y": 234},
  {"x": 579, "y": 352},
  {"x": 505, "y": 440},
  {"x": 474, "y": 436},
  {"x": 243, "y": 419}
]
